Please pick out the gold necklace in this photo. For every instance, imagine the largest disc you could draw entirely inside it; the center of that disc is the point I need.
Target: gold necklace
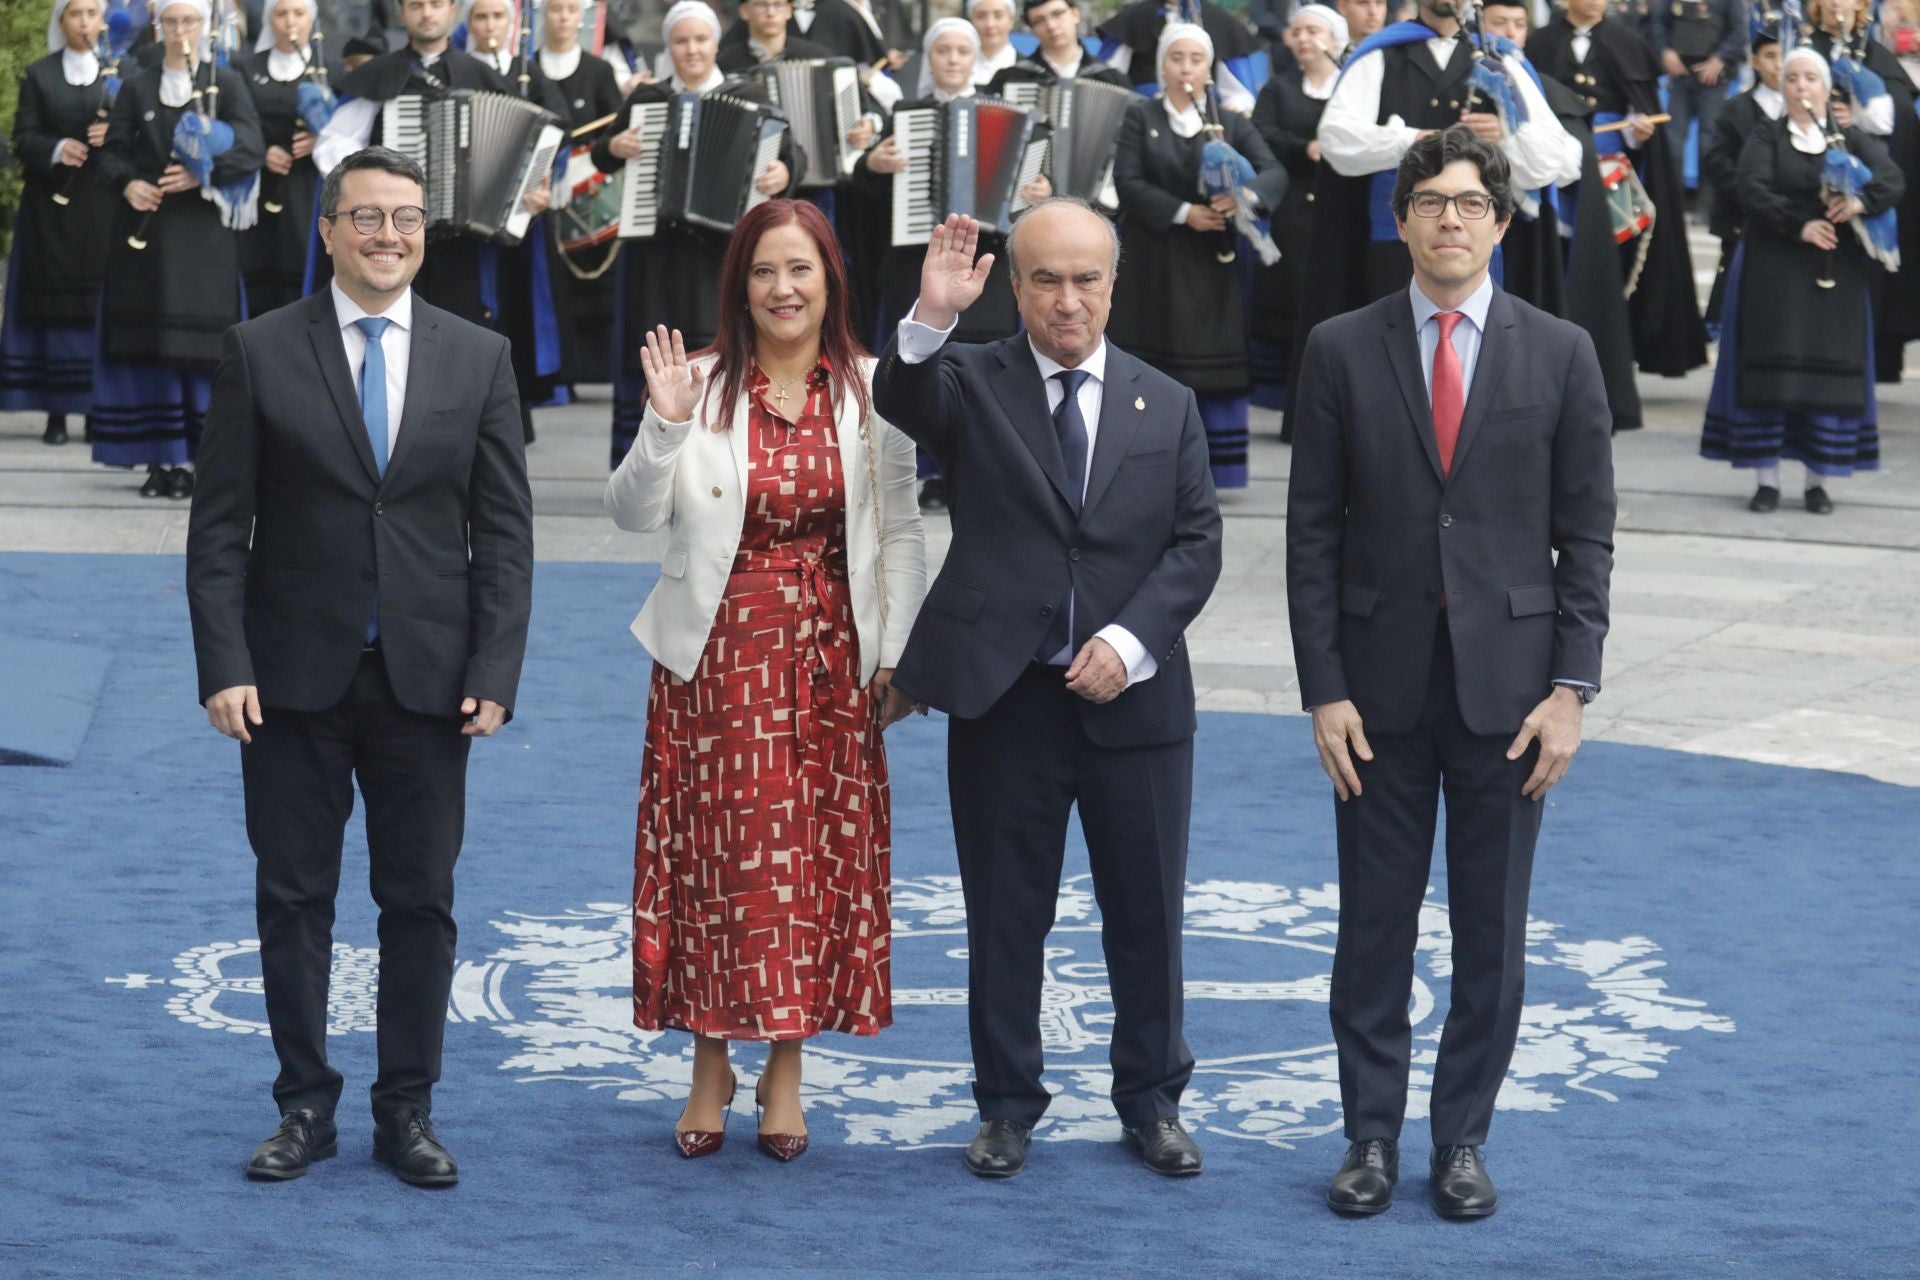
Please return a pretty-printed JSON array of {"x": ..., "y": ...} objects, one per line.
[{"x": 781, "y": 399}]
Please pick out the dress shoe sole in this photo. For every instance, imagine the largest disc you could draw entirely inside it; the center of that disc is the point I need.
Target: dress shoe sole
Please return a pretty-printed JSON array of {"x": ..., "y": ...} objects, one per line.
[
  {"x": 415, "y": 1179},
  {"x": 1357, "y": 1210},
  {"x": 1466, "y": 1214},
  {"x": 978, "y": 1172},
  {"x": 327, "y": 1152}
]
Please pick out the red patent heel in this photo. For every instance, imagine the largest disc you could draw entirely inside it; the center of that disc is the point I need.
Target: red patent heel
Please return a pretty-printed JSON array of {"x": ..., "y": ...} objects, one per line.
[
  {"x": 784, "y": 1147},
  {"x": 703, "y": 1142}
]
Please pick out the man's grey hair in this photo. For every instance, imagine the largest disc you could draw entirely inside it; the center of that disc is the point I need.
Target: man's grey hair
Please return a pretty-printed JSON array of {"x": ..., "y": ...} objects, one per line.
[
  {"x": 385, "y": 159},
  {"x": 1013, "y": 237}
]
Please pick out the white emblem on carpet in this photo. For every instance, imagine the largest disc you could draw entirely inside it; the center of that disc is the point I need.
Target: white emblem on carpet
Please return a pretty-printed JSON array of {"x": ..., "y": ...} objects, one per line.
[{"x": 560, "y": 990}]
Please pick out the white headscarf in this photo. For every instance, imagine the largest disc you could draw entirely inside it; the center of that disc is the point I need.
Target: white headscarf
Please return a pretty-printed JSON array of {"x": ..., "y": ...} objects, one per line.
[
  {"x": 1807, "y": 53},
  {"x": 56, "y": 38},
  {"x": 201, "y": 7},
  {"x": 265, "y": 40},
  {"x": 934, "y": 32},
  {"x": 1175, "y": 31},
  {"x": 689, "y": 9},
  {"x": 975, "y": 4},
  {"x": 1335, "y": 24},
  {"x": 510, "y": 43}
]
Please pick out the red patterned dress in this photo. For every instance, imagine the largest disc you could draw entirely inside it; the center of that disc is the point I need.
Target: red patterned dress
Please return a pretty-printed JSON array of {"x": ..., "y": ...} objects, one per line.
[{"x": 761, "y": 868}]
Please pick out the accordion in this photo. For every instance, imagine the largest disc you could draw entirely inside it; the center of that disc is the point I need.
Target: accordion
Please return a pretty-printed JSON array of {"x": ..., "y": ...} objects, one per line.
[
  {"x": 820, "y": 98},
  {"x": 1085, "y": 117},
  {"x": 482, "y": 154},
  {"x": 969, "y": 156},
  {"x": 697, "y": 163}
]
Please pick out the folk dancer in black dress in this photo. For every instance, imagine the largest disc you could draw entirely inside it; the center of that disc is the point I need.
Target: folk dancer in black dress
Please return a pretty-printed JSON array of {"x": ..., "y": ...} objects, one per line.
[
  {"x": 1287, "y": 114},
  {"x": 1608, "y": 62},
  {"x": 60, "y": 234},
  {"x": 1061, "y": 56},
  {"x": 1178, "y": 299},
  {"x": 286, "y": 55},
  {"x": 1720, "y": 157},
  {"x": 1130, "y": 43},
  {"x": 674, "y": 278},
  {"x": 172, "y": 283},
  {"x": 949, "y": 53},
  {"x": 1843, "y": 34},
  {"x": 457, "y": 274},
  {"x": 1795, "y": 374},
  {"x": 1595, "y": 294},
  {"x": 532, "y": 295},
  {"x": 588, "y": 86}
]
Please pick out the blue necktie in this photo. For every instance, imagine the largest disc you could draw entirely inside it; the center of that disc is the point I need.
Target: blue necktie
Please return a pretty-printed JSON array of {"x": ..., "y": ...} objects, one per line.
[
  {"x": 1071, "y": 428},
  {"x": 373, "y": 412}
]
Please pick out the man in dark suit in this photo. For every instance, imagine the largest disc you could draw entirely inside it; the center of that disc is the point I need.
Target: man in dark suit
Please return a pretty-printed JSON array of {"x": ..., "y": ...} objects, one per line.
[
  {"x": 1449, "y": 544},
  {"x": 1086, "y": 538},
  {"x": 359, "y": 568}
]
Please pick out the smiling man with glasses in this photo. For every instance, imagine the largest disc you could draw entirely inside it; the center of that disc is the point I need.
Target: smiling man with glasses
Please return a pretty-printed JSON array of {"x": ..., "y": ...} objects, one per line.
[
  {"x": 1449, "y": 549},
  {"x": 359, "y": 568}
]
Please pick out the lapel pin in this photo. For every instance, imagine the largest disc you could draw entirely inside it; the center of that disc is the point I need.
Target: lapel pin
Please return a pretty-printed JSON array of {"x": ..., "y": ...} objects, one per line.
[{"x": 1139, "y": 402}]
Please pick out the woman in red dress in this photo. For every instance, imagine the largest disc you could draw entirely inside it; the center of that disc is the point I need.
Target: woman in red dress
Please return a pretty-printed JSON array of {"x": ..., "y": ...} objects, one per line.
[{"x": 794, "y": 570}]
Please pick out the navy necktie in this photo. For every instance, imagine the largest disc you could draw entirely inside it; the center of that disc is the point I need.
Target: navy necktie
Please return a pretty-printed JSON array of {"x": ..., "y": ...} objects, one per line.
[
  {"x": 373, "y": 412},
  {"x": 1071, "y": 428}
]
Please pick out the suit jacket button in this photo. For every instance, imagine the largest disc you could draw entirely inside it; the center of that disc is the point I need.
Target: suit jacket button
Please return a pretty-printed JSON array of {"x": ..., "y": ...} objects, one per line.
[
  {"x": 1073, "y": 553},
  {"x": 716, "y": 491},
  {"x": 1446, "y": 522},
  {"x": 1046, "y": 611},
  {"x": 379, "y": 510}
]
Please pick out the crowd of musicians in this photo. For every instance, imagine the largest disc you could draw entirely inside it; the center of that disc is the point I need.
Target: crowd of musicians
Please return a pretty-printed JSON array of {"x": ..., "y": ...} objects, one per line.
[{"x": 172, "y": 171}]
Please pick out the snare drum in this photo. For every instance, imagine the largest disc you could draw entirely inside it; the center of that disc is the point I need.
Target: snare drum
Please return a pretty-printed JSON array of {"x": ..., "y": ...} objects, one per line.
[
  {"x": 1628, "y": 204},
  {"x": 592, "y": 213}
]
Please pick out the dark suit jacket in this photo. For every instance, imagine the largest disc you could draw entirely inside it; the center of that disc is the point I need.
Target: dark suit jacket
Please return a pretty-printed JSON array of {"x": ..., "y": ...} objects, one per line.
[
  {"x": 1520, "y": 531},
  {"x": 293, "y": 526},
  {"x": 1144, "y": 551}
]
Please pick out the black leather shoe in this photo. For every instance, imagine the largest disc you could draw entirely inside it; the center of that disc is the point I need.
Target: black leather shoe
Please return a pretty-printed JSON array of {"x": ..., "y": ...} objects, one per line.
[
  {"x": 999, "y": 1150},
  {"x": 179, "y": 483},
  {"x": 156, "y": 485},
  {"x": 56, "y": 432},
  {"x": 1766, "y": 498},
  {"x": 1461, "y": 1185},
  {"x": 302, "y": 1138},
  {"x": 1165, "y": 1147},
  {"x": 1818, "y": 502},
  {"x": 1365, "y": 1181},
  {"x": 407, "y": 1142}
]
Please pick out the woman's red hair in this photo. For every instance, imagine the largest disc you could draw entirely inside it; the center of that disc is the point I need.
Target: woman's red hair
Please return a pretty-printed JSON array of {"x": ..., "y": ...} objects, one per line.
[{"x": 733, "y": 342}]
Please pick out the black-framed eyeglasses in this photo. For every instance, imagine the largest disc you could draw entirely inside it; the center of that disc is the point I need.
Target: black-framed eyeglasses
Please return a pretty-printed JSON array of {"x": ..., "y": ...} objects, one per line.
[
  {"x": 368, "y": 219},
  {"x": 1472, "y": 205}
]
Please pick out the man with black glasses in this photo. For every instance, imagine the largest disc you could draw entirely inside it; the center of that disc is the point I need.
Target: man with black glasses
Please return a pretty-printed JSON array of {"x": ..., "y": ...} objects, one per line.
[
  {"x": 359, "y": 567},
  {"x": 1449, "y": 547}
]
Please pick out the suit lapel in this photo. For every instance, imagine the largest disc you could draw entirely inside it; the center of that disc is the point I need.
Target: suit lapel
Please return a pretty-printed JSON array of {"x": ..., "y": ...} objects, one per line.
[
  {"x": 1403, "y": 354},
  {"x": 323, "y": 328},
  {"x": 423, "y": 358},
  {"x": 1025, "y": 400},
  {"x": 1496, "y": 345},
  {"x": 1120, "y": 421}
]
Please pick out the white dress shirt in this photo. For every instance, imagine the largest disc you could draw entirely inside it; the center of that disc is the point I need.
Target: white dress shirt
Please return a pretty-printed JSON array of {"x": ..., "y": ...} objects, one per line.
[
  {"x": 1356, "y": 145},
  {"x": 1770, "y": 101},
  {"x": 1808, "y": 139},
  {"x": 1581, "y": 43},
  {"x": 79, "y": 67},
  {"x": 1068, "y": 70},
  {"x": 920, "y": 342},
  {"x": 352, "y": 127},
  {"x": 176, "y": 87},
  {"x": 989, "y": 65},
  {"x": 285, "y": 66},
  {"x": 1466, "y": 335},
  {"x": 396, "y": 343}
]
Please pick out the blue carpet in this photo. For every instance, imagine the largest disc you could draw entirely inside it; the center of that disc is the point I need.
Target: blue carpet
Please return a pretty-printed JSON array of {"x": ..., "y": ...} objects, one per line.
[
  {"x": 1716, "y": 1074},
  {"x": 48, "y": 689}
]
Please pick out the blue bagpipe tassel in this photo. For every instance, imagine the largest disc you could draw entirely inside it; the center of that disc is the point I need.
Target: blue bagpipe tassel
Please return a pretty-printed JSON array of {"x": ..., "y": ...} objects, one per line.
[
  {"x": 316, "y": 105},
  {"x": 1225, "y": 172},
  {"x": 197, "y": 142},
  {"x": 1845, "y": 174}
]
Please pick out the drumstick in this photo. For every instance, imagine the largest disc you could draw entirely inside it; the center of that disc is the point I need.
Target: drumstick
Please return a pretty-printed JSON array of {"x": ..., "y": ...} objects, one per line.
[
  {"x": 594, "y": 126},
  {"x": 1618, "y": 125}
]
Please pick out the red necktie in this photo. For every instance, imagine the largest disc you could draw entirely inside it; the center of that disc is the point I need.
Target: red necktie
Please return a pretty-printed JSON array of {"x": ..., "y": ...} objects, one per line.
[{"x": 1449, "y": 396}]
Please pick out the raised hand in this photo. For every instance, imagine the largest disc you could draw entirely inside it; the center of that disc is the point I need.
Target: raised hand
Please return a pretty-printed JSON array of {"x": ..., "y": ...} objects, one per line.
[
  {"x": 673, "y": 384},
  {"x": 950, "y": 279}
]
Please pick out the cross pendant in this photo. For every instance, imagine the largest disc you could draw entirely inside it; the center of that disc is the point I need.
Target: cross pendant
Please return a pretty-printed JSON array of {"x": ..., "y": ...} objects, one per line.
[{"x": 781, "y": 400}]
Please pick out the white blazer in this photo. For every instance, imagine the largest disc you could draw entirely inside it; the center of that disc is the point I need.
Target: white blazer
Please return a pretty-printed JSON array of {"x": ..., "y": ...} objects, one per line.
[{"x": 694, "y": 480}]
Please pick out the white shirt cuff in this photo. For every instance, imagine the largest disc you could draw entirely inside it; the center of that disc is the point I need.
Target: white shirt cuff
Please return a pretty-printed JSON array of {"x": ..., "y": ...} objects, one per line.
[
  {"x": 1140, "y": 664},
  {"x": 1180, "y": 214},
  {"x": 921, "y": 342}
]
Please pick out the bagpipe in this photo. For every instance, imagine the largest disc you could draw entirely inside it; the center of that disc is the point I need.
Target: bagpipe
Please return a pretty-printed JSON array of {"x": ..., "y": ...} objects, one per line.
[
  {"x": 112, "y": 45},
  {"x": 1846, "y": 176},
  {"x": 1225, "y": 172},
  {"x": 314, "y": 107},
  {"x": 199, "y": 139}
]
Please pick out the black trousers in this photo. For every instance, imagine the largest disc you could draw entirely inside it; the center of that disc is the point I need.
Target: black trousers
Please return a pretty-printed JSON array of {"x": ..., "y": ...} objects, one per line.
[
  {"x": 1386, "y": 851},
  {"x": 300, "y": 771},
  {"x": 1014, "y": 776}
]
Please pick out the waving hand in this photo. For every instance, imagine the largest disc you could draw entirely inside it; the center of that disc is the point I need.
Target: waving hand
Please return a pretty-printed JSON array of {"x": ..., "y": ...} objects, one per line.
[{"x": 950, "y": 279}]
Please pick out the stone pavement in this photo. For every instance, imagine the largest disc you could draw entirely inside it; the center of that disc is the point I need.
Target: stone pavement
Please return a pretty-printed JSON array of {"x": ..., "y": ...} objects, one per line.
[{"x": 1790, "y": 638}]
